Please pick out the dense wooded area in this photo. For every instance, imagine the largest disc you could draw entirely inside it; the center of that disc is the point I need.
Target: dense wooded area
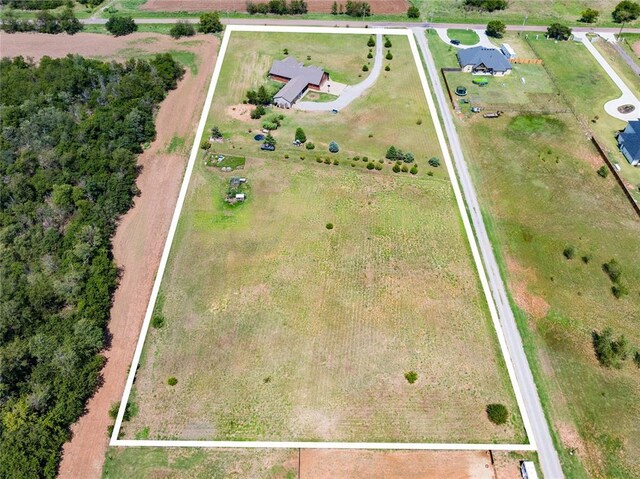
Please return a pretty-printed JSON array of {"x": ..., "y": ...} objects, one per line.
[{"x": 71, "y": 130}]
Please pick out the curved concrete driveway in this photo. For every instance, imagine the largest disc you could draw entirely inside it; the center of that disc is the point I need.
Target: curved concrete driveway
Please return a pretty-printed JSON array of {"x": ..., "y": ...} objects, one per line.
[
  {"x": 627, "y": 97},
  {"x": 484, "y": 39},
  {"x": 350, "y": 92}
]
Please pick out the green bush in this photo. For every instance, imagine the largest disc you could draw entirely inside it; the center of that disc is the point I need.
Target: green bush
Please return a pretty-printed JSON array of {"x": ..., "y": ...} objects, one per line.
[
  {"x": 365, "y": 68},
  {"x": 378, "y": 166},
  {"x": 413, "y": 12},
  {"x": 369, "y": 55},
  {"x": 569, "y": 252},
  {"x": 319, "y": 160},
  {"x": 157, "y": 320},
  {"x": 182, "y": 29},
  {"x": 586, "y": 258},
  {"x": 405, "y": 168},
  {"x": 309, "y": 146},
  {"x": 210, "y": 23},
  {"x": 370, "y": 166},
  {"x": 205, "y": 145},
  {"x": 387, "y": 43},
  {"x": 329, "y": 226},
  {"x": 389, "y": 56},
  {"x": 609, "y": 352},
  {"x": 603, "y": 171},
  {"x": 371, "y": 42},
  {"x": 435, "y": 162},
  {"x": 619, "y": 290},
  {"x": 172, "y": 381},
  {"x": 414, "y": 170},
  {"x": 497, "y": 413},
  {"x": 327, "y": 161},
  {"x": 300, "y": 135},
  {"x": 613, "y": 270},
  {"x": 411, "y": 377},
  {"x": 396, "y": 168},
  {"x": 333, "y": 147},
  {"x": 387, "y": 68},
  {"x": 119, "y": 26},
  {"x": 336, "y": 162}
]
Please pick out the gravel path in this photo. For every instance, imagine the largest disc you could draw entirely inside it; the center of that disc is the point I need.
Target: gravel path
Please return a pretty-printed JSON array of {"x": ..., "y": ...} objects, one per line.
[{"x": 351, "y": 92}]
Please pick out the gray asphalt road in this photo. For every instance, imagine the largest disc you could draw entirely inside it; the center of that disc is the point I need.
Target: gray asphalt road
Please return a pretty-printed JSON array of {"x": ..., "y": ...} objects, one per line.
[
  {"x": 547, "y": 454},
  {"x": 355, "y": 23}
]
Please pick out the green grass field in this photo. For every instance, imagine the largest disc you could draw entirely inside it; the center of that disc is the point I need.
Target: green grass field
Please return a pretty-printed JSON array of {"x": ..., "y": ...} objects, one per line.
[
  {"x": 466, "y": 37},
  {"x": 185, "y": 463},
  {"x": 579, "y": 76},
  {"x": 280, "y": 328},
  {"x": 538, "y": 12},
  {"x": 535, "y": 175}
]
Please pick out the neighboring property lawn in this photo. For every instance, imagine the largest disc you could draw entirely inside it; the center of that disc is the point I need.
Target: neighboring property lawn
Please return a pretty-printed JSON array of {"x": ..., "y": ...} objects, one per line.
[
  {"x": 186, "y": 463},
  {"x": 536, "y": 178},
  {"x": 586, "y": 87},
  {"x": 466, "y": 37},
  {"x": 537, "y": 12},
  {"x": 297, "y": 314}
]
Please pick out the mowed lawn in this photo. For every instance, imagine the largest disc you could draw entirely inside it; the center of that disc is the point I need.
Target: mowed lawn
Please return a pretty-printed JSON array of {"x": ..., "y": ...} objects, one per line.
[
  {"x": 536, "y": 177},
  {"x": 278, "y": 328},
  {"x": 392, "y": 112}
]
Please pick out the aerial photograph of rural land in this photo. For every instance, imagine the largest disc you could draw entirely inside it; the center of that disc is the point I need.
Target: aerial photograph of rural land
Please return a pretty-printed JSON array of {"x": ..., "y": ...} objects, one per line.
[{"x": 318, "y": 239}]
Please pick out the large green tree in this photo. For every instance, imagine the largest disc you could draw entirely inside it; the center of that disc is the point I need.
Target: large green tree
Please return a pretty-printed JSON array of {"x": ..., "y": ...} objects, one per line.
[
  {"x": 496, "y": 28},
  {"x": 626, "y": 11},
  {"x": 210, "y": 23}
]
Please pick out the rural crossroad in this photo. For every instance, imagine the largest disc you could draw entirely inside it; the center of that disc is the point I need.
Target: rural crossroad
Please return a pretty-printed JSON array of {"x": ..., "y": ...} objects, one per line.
[{"x": 549, "y": 460}]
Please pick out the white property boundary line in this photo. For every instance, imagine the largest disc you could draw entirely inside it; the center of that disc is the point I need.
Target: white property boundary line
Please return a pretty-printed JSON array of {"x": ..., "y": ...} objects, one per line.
[{"x": 114, "y": 441}]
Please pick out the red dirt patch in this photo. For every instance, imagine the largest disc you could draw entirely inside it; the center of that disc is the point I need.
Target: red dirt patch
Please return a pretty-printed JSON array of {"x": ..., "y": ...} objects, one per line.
[
  {"x": 138, "y": 243},
  {"x": 362, "y": 464},
  {"x": 315, "y": 6},
  {"x": 521, "y": 277}
]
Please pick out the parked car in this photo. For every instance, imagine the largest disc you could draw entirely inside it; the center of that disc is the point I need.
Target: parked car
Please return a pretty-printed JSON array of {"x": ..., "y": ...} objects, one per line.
[
  {"x": 455, "y": 42},
  {"x": 267, "y": 147}
]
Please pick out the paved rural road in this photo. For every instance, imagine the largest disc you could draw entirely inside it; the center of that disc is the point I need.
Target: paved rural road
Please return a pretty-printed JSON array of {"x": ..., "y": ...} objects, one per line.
[
  {"x": 351, "y": 92},
  {"x": 356, "y": 23},
  {"x": 549, "y": 460}
]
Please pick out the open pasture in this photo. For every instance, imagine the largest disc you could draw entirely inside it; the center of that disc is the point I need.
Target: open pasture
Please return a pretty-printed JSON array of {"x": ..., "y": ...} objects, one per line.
[
  {"x": 297, "y": 314},
  {"x": 536, "y": 178}
]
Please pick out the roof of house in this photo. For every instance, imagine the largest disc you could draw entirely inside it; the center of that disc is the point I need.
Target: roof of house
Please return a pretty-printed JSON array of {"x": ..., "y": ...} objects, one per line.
[
  {"x": 506, "y": 47},
  {"x": 290, "y": 68},
  {"x": 292, "y": 89},
  {"x": 492, "y": 58},
  {"x": 630, "y": 138}
]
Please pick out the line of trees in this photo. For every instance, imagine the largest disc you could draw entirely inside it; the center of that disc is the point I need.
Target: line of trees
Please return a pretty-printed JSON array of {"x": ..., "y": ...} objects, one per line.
[
  {"x": 72, "y": 128},
  {"x": 278, "y": 7},
  {"x": 45, "y": 22},
  {"x": 351, "y": 8}
]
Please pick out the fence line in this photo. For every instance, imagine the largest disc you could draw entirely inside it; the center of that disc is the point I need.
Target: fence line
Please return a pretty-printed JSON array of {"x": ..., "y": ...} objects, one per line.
[
  {"x": 535, "y": 61},
  {"x": 446, "y": 83},
  {"x": 620, "y": 181}
]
